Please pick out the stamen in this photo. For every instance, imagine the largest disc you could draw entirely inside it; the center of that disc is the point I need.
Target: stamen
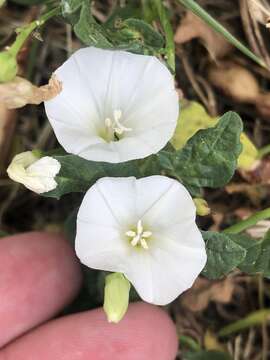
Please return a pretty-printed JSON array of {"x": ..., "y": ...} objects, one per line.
[
  {"x": 114, "y": 125},
  {"x": 147, "y": 234},
  {"x": 139, "y": 237},
  {"x": 144, "y": 244},
  {"x": 131, "y": 233},
  {"x": 139, "y": 227}
]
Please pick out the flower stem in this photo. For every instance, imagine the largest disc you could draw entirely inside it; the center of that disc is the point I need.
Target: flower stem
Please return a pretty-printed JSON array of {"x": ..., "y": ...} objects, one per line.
[
  {"x": 215, "y": 25},
  {"x": 25, "y": 31},
  {"x": 249, "y": 222}
]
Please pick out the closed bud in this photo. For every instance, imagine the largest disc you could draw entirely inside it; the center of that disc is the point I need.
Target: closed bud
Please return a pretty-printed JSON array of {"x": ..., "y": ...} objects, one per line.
[
  {"x": 8, "y": 66},
  {"x": 202, "y": 207},
  {"x": 116, "y": 296},
  {"x": 36, "y": 173}
]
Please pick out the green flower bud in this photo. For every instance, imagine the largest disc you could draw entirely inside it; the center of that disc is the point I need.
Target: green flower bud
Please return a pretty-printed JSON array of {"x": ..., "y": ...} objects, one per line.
[
  {"x": 202, "y": 207},
  {"x": 116, "y": 297},
  {"x": 8, "y": 66}
]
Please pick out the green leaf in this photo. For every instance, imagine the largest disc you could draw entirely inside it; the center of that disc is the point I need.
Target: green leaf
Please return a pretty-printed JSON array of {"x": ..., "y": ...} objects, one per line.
[
  {"x": 227, "y": 251},
  {"x": 78, "y": 175},
  {"x": 223, "y": 254},
  {"x": 193, "y": 117},
  {"x": 206, "y": 355},
  {"x": 257, "y": 259},
  {"x": 89, "y": 31},
  {"x": 253, "y": 248},
  {"x": 118, "y": 32},
  {"x": 209, "y": 159},
  {"x": 188, "y": 342}
]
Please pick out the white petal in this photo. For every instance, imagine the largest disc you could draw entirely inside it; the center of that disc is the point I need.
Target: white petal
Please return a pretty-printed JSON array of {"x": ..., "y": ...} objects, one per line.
[
  {"x": 101, "y": 247},
  {"x": 39, "y": 185},
  {"x": 95, "y": 209},
  {"x": 44, "y": 167},
  {"x": 160, "y": 277},
  {"x": 164, "y": 202},
  {"x": 24, "y": 159},
  {"x": 120, "y": 196},
  {"x": 149, "y": 190},
  {"x": 103, "y": 220},
  {"x": 139, "y": 86}
]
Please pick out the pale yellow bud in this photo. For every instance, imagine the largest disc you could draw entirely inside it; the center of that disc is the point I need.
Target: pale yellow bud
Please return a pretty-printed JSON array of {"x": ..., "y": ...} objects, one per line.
[
  {"x": 202, "y": 207},
  {"x": 116, "y": 297}
]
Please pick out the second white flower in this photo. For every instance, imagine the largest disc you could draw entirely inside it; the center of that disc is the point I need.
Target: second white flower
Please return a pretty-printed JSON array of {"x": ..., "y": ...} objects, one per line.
[{"x": 144, "y": 229}]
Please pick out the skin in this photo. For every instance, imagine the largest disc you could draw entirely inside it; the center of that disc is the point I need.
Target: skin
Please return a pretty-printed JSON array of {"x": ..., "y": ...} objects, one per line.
[{"x": 39, "y": 275}]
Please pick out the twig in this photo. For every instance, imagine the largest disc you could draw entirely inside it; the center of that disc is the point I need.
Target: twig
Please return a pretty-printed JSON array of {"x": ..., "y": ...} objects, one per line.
[
  {"x": 237, "y": 348},
  {"x": 249, "y": 344},
  {"x": 191, "y": 76}
]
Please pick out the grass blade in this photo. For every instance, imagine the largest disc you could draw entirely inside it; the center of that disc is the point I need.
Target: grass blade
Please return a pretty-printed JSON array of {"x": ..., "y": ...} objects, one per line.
[
  {"x": 215, "y": 25},
  {"x": 253, "y": 319}
]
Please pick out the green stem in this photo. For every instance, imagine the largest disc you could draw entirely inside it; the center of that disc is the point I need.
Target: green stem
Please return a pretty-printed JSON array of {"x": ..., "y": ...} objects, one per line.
[
  {"x": 28, "y": 29},
  {"x": 169, "y": 35},
  {"x": 249, "y": 222},
  {"x": 264, "y": 151},
  {"x": 215, "y": 25}
]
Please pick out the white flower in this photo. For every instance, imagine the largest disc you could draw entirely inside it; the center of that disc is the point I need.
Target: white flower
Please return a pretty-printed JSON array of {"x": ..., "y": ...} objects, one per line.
[
  {"x": 115, "y": 106},
  {"x": 36, "y": 174},
  {"x": 144, "y": 229}
]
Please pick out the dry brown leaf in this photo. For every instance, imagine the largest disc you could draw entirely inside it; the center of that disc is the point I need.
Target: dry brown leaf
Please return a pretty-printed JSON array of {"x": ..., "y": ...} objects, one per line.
[
  {"x": 203, "y": 291},
  {"x": 235, "y": 81},
  {"x": 20, "y": 92},
  {"x": 259, "y": 10},
  {"x": 260, "y": 174},
  {"x": 240, "y": 84},
  {"x": 255, "y": 192},
  {"x": 217, "y": 218},
  {"x": 193, "y": 27},
  {"x": 263, "y": 105}
]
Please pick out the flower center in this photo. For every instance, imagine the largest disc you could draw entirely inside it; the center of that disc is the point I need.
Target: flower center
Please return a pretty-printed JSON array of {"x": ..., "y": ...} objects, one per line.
[
  {"x": 139, "y": 237},
  {"x": 114, "y": 128}
]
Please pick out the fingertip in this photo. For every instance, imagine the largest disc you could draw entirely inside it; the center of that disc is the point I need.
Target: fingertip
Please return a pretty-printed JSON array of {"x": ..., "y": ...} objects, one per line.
[
  {"x": 145, "y": 333},
  {"x": 39, "y": 275}
]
